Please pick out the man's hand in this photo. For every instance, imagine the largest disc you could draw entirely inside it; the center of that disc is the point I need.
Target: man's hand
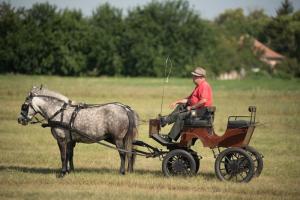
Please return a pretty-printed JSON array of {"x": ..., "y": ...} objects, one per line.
[
  {"x": 173, "y": 105},
  {"x": 189, "y": 108}
]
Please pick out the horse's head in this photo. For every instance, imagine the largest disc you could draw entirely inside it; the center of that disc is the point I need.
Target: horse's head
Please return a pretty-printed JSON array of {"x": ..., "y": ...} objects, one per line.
[
  {"x": 29, "y": 108},
  {"x": 41, "y": 101}
]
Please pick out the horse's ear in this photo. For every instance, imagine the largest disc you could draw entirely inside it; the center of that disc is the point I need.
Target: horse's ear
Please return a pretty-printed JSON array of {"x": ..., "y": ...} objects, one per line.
[{"x": 33, "y": 91}]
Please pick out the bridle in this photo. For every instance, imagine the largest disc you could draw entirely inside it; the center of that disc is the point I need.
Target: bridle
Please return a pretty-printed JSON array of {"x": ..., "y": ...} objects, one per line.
[{"x": 28, "y": 103}]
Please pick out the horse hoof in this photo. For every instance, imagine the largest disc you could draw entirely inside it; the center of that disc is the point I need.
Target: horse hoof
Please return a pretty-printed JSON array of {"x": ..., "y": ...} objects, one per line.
[
  {"x": 60, "y": 174},
  {"x": 122, "y": 172}
]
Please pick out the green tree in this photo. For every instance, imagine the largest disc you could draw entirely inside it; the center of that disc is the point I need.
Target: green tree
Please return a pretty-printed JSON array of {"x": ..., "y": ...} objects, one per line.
[
  {"x": 71, "y": 37},
  {"x": 10, "y": 24},
  {"x": 285, "y": 9},
  {"x": 104, "y": 55},
  {"x": 160, "y": 30},
  {"x": 257, "y": 21},
  {"x": 233, "y": 22},
  {"x": 45, "y": 40}
]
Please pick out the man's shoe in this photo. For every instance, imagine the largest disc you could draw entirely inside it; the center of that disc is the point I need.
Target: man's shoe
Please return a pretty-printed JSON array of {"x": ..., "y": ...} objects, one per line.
[
  {"x": 166, "y": 138},
  {"x": 163, "y": 121}
]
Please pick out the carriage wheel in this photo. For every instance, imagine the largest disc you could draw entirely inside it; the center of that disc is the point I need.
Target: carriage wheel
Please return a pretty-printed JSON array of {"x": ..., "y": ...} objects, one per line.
[
  {"x": 234, "y": 164},
  {"x": 257, "y": 159},
  {"x": 179, "y": 163}
]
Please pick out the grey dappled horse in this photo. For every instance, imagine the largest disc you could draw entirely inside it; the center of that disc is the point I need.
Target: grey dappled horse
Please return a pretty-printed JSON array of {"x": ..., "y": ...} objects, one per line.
[{"x": 110, "y": 122}]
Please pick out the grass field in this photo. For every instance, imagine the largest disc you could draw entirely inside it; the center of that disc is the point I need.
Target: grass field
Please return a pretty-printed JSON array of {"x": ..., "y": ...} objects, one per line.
[{"x": 29, "y": 156}]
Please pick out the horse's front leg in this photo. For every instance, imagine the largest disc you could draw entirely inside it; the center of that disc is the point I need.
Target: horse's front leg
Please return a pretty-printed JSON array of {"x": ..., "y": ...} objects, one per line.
[
  {"x": 120, "y": 145},
  {"x": 63, "y": 155},
  {"x": 70, "y": 151}
]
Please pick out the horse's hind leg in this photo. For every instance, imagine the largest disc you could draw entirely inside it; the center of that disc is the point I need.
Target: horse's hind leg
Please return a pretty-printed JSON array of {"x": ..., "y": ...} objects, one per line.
[
  {"x": 70, "y": 151},
  {"x": 120, "y": 145},
  {"x": 63, "y": 155},
  {"x": 131, "y": 161}
]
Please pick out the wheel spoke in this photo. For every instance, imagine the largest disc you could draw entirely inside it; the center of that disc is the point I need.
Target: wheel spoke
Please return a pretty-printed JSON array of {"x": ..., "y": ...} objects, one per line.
[{"x": 236, "y": 156}]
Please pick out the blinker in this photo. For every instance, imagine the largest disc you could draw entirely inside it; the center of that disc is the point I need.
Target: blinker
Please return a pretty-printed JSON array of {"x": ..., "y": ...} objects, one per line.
[{"x": 24, "y": 107}]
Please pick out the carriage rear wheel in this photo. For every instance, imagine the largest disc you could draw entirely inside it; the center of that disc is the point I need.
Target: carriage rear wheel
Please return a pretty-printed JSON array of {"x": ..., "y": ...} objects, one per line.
[
  {"x": 234, "y": 164},
  {"x": 257, "y": 159},
  {"x": 179, "y": 162}
]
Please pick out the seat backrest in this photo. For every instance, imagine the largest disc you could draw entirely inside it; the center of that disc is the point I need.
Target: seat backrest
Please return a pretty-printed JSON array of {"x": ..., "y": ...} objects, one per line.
[
  {"x": 198, "y": 120},
  {"x": 211, "y": 110}
]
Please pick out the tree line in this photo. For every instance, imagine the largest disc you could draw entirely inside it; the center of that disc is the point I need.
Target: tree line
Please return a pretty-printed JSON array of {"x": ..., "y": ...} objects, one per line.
[{"x": 46, "y": 40}]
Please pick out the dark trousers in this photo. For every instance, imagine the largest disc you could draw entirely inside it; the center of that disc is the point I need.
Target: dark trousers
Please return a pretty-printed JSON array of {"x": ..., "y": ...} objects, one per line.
[{"x": 178, "y": 116}]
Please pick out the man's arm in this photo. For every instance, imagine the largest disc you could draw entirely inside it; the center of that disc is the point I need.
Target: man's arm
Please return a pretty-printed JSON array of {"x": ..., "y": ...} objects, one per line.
[
  {"x": 197, "y": 105},
  {"x": 180, "y": 101}
]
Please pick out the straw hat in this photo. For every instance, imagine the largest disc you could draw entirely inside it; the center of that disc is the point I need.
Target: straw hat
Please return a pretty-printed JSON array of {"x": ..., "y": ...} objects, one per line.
[{"x": 199, "y": 71}]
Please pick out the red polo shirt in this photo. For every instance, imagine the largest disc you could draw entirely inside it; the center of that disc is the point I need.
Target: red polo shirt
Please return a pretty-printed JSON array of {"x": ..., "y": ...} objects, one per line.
[{"x": 201, "y": 91}]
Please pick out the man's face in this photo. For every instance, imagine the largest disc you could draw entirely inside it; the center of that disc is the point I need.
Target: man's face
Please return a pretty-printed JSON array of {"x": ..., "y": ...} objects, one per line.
[{"x": 197, "y": 79}]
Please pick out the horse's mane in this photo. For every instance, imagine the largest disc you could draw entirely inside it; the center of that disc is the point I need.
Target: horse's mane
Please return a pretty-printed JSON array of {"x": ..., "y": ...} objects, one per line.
[{"x": 46, "y": 92}]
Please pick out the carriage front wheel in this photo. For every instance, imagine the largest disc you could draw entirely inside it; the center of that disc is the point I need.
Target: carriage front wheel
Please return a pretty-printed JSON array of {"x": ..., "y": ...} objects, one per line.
[
  {"x": 179, "y": 162},
  {"x": 234, "y": 164}
]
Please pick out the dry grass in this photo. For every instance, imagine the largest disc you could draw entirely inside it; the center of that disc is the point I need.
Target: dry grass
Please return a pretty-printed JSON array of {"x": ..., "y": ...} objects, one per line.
[{"x": 29, "y": 156}]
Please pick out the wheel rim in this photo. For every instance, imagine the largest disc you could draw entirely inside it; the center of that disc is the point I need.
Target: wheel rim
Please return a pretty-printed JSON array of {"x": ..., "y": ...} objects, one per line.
[
  {"x": 235, "y": 167},
  {"x": 179, "y": 165},
  {"x": 257, "y": 160}
]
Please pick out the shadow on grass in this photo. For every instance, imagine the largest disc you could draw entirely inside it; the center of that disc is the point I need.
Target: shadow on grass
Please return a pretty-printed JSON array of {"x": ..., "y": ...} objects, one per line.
[
  {"x": 33, "y": 170},
  {"x": 40, "y": 170}
]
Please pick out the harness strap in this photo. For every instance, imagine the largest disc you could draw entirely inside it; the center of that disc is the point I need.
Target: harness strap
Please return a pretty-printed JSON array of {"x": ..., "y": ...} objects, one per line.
[
  {"x": 73, "y": 116},
  {"x": 59, "y": 111}
]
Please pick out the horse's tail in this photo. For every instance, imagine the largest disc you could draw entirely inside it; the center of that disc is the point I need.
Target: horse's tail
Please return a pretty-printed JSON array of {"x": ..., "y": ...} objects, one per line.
[{"x": 131, "y": 134}]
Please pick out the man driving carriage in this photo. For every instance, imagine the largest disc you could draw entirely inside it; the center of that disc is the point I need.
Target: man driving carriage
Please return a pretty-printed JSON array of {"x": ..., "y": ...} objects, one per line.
[{"x": 198, "y": 100}]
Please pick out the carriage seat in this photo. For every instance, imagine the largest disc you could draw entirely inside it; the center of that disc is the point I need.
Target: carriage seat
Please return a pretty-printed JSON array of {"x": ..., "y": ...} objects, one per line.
[
  {"x": 197, "y": 122},
  {"x": 238, "y": 124},
  {"x": 201, "y": 121}
]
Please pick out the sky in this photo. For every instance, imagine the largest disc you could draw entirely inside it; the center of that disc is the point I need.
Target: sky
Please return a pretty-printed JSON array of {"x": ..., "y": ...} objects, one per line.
[{"x": 208, "y": 9}]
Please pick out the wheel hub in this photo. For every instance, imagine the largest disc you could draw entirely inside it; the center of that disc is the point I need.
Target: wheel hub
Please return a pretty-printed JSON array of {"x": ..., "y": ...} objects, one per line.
[
  {"x": 179, "y": 165},
  {"x": 234, "y": 167}
]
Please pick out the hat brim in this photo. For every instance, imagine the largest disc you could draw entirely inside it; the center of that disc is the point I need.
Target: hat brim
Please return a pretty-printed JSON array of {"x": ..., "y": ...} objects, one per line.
[{"x": 196, "y": 74}]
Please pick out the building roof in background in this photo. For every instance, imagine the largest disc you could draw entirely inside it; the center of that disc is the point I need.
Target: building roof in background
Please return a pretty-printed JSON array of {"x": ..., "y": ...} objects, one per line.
[{"x": 266, "y": 51}]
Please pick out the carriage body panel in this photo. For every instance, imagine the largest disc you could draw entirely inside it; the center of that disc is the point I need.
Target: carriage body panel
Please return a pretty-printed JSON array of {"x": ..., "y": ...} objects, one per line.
[{"x": 233, "y": 137}]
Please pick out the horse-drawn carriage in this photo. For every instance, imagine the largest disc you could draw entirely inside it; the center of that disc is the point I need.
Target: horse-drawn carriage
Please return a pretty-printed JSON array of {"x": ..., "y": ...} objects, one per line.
[
  {"x": 238, "y": 162},
  {"x": 116, "y": 123}
]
